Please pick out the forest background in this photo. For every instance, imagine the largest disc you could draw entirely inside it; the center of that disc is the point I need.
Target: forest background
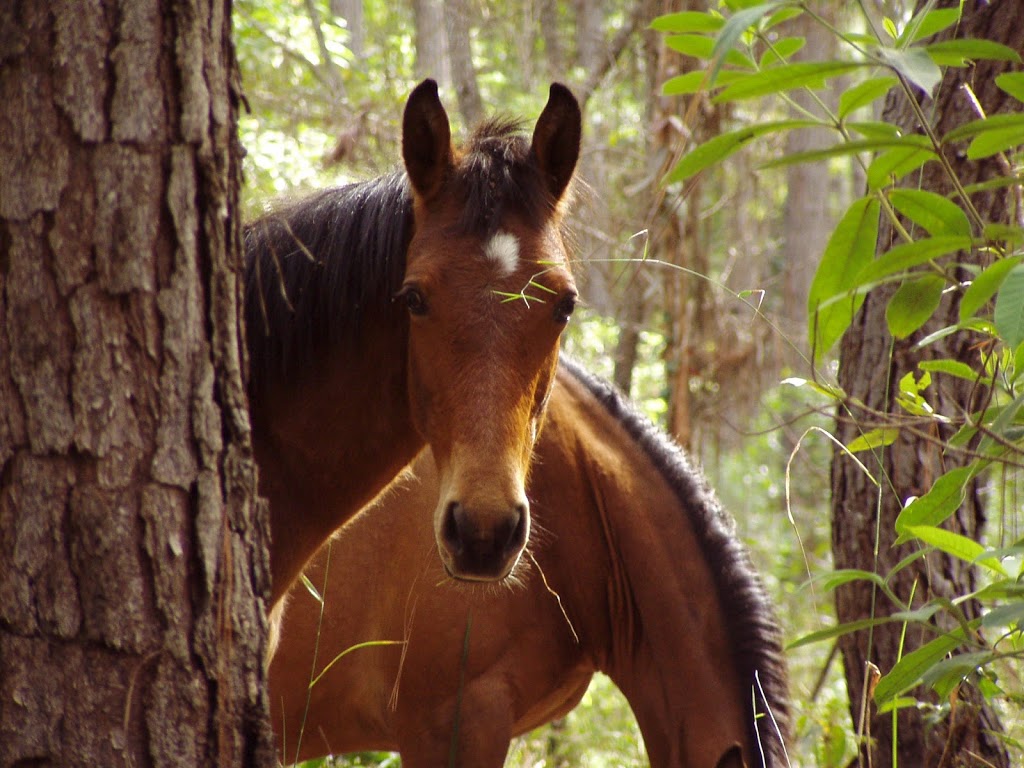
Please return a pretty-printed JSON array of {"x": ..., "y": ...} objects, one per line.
[{"x": 695, "y": 288}]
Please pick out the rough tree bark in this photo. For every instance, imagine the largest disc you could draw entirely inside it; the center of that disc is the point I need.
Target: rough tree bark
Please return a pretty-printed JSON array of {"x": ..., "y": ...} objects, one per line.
[
  {"x": 871, "y": 365},
  {"x": 133, "y": 552}
]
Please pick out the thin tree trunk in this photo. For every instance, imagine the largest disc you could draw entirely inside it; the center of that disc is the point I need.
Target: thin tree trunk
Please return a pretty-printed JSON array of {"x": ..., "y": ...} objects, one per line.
[
  {"x": 460, "y": 56},
  {"x": 134, "y": 555},
  {"x": 352, "y": 12},
  {"x": 431, "y": 41},
  {"x": 871, "y": 366}
]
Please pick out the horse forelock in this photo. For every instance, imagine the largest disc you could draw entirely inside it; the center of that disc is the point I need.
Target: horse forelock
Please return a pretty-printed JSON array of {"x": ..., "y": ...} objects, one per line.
[
  {"x": 750, "y": 615},
  {"x": 316, "y": 268},
  {"x": 496, "y": 176}
]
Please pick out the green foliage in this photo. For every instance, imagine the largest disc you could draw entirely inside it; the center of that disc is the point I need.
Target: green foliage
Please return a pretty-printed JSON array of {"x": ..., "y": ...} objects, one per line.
[{"x": 939, "y": 241}]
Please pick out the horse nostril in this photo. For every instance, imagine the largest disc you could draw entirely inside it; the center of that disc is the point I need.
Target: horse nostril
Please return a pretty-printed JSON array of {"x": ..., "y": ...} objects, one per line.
[
  {"x": 450, "y": 528},
  {"x": 517, "y": 530}
]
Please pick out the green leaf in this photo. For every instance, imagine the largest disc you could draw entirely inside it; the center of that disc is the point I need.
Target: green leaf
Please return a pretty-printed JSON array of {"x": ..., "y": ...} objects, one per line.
[
  {"x": 710, "y": 152},
  {"x": 984, "y": 286},
  {"x": 893, "y": 164},
  {"x": 836, "y": 150},
  {"x": 734, "y": 27},
  {"x": 781, "y": 50},
  {"x": 693, "y": 82},
  {"x": 951, "y": 367},
  {"x": 701, "y": 47},
  {"x": 836, "y": 631},
  {"x": 908, "y": 670},
  {"x": 906, "y": 255},
  {"x": 956, "y": 53},
  {"x": 877, "y": 129},
  {"x": 831, "y": 580},
  {"x": 915, "y": 65},
  {"x": 941, "y": 501},
  {"x": 804, "y": 74},
  {"x": 688, "y": 21},
  {"x": 936, "y": 214},
  {"x": 1012, "y": 83},
  {"x": 993, "y": 142},
  {"x": 946, "y": 674},
  {"x": 984, "y": 124},
  {"x": 1004, "y": 615},
  {"x": 864, "y": 93},
  {"x": 850, "y": 248},
  {"x": 1008, "y": 315},
  {"x": 717, "y": 149},
  {"x": 913, "y": 304},
  {"x": 955, "y": 545},
  {"x": 927, "y": 24},
  {"x": 875, "y": 438}
]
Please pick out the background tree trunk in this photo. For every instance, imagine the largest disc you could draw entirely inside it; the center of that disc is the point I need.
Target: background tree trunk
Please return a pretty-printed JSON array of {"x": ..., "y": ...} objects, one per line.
[
  {"x": 871, "y": 366},
  {"x": 460, "y": 57},
  {"x": 134, "y": 554}
]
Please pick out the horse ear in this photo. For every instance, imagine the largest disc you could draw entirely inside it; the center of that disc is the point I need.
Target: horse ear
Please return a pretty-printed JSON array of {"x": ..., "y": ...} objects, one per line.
[
  {"x": 556, "y": 139},
  {"x": 426, "y": 140}
]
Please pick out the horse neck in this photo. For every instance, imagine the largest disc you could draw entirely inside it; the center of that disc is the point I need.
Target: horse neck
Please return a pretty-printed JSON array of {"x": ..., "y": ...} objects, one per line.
[
  {"x": 661, "y": 632},
  {"x": 328, "y": 442}
]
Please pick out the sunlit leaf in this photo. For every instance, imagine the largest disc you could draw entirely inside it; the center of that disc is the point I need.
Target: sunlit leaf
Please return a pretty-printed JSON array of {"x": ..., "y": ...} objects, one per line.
[
  {"x": 941, "y": 501},
  {"x": 851, "y": 246},
  {"x": 875, "y": 438},
  {"x": 954, "y": 53},
  {"x": 1012, "y": 83},
  {"x": 993, "y": 142},
  {"x": 927, "y": 24},
  {"x": 717, "y": 149},
  {"x": 864, "y": 93},
  {"x": 955, "y": 545},
  {"x": 951, "y": 367},
  {"x": 893, "y": 164},
  {"x": 915, "y": 65},
  {"x": 688, "y": 21},
  {"x": 734, "y": 28},
  {"x": 907, "y": 255},
  {"x": 781, "y": 50},
  {"x": 805, "y": 74},
  {"x": 935, "y": 213}
]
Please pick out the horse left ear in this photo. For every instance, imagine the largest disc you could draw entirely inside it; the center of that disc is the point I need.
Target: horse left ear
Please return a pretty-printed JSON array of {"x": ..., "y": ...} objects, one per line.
[
  {"x": 426, "y": 140},
  {"x": 556, "y": 139}
]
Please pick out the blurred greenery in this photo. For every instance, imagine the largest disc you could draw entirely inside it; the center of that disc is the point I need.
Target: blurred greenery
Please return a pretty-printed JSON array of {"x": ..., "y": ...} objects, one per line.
[{"x": 312, "y": 121}]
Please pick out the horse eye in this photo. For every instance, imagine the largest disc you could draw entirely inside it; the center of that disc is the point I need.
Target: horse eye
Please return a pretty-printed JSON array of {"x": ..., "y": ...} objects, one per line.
[
  {"x": 564, "y": 308},
  {"x": 414, "y": 301}
]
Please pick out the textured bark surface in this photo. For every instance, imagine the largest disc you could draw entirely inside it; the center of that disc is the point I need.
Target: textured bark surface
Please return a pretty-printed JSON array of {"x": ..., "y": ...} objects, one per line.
[
  {"x": 871, "y": 365},
  {"x": 134, "y": 553}
]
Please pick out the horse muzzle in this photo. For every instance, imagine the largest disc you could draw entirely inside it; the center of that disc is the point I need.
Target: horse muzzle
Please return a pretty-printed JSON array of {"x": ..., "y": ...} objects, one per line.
[{"x": 479, "y": 544}]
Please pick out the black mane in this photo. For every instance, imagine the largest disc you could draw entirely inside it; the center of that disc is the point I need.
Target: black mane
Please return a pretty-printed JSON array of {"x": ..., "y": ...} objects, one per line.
[
  {"x": 321, "y": 267},
  {"x": 749, "y": 612}
]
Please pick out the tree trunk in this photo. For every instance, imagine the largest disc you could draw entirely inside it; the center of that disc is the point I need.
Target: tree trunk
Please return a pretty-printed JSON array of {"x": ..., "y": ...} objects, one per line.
[
  {"x": 871, "y": 365},
  {"x": 460, "y": 57},
  {"x": 134, "y": 554},
  {"x": 352, "y": 12},
  {"x": 431, "y": 41}
]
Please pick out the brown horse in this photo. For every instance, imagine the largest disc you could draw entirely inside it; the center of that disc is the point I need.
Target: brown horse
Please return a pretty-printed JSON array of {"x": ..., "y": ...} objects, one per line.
[
  {"x": 417, "y": 308},
  {"x": 634, "y": 569}
]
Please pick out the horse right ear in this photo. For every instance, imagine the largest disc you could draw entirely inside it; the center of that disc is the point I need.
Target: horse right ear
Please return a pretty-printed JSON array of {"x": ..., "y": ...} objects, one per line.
[
  {"x": 556, "y": 139},
  {"x": 426, "y": 140}
]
